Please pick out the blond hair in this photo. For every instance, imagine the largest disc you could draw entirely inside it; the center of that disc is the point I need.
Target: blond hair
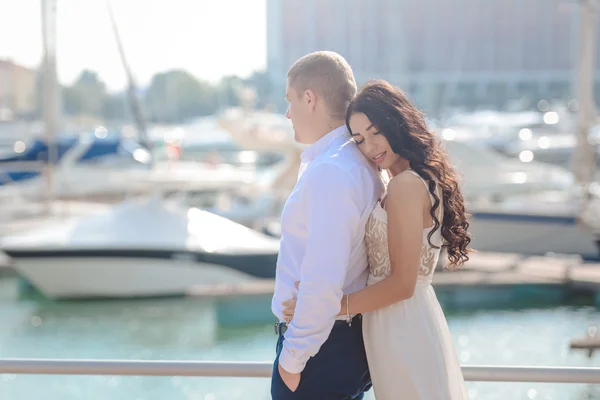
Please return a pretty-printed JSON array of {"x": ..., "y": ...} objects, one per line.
[{"x": 328, "y": 74}]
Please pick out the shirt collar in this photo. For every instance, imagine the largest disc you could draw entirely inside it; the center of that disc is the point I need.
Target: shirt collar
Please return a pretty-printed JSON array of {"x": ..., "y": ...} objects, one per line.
[{"x": 320, "y": 145}]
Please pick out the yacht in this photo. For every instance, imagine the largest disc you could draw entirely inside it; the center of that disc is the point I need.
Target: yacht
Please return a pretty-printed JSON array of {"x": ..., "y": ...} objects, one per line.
[{"x": 140, "y": 248}]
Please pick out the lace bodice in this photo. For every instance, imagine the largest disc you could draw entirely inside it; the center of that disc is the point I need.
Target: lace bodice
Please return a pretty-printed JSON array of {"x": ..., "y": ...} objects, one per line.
[{"x": 378, "y": 254}]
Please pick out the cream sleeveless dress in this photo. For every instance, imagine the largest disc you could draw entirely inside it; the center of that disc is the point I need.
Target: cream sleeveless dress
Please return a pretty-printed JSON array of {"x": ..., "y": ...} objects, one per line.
[{"x": 409, "y": 347}]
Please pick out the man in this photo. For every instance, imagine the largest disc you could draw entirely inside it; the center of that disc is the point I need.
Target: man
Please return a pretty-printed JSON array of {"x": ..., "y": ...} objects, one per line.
[{"x": 321, "y": 355}]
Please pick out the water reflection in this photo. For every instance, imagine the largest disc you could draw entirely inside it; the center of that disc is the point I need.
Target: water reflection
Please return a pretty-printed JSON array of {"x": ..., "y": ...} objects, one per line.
[{"x": 239, "y": 329}]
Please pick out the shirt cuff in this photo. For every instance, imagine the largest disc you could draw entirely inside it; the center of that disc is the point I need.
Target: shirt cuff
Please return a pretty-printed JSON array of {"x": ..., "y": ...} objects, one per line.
[{"x": 289, "y": 362}]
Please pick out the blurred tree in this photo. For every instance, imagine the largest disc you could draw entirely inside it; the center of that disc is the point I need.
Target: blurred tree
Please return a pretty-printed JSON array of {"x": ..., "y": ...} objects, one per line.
[
  {"x": 86, "y": 96},
  {"x": 116, "y": 107},
  {"x": 177, "y": 95},
  {"x": 227, "y": 91},
  {"x": 260, "y": 81},
  {"x": 172, "y": 96}
]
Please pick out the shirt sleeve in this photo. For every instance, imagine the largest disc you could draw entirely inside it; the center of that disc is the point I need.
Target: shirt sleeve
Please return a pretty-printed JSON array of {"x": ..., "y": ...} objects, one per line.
[{"x": 331, "y": 202}]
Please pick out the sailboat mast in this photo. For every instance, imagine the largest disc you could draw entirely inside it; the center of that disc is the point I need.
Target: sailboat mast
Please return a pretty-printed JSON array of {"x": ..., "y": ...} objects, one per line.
[
  {"x": 134, "y": 103},
  {"x": 584, "y": 155},
  {"x": 50, "y": 92}
]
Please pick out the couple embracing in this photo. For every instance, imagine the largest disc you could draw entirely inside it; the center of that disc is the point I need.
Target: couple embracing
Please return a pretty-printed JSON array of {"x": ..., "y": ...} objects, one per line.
[{"x": 375, "y": 202}]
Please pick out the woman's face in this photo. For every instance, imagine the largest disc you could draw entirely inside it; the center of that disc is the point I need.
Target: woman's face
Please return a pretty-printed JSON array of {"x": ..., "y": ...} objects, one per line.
[{"x": 372, "y": 143}]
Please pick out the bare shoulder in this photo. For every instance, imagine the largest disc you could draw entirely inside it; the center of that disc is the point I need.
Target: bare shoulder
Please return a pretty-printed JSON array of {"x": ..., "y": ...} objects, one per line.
[
  {"x": 406, "y": 193},
  {"x": 405, "y": 185}
]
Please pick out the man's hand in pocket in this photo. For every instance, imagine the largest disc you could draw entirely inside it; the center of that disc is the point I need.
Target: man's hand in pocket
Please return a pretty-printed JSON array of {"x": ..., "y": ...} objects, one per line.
[{"x": 291, "y": 380}]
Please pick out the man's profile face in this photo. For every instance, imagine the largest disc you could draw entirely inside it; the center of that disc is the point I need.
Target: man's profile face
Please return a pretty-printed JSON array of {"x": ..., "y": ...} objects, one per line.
[{"x": 298, "y": 112}]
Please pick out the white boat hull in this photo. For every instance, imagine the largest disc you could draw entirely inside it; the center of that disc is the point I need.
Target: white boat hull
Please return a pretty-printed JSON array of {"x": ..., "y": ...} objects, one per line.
[
  {"x": 518, "y": 233},
  {"x": 531, "y": 235},
  {"x": 93, "y": 277}
]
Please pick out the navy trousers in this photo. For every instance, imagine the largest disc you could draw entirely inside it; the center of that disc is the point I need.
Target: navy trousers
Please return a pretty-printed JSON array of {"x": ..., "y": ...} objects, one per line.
[{"x": 338, "y": 371}]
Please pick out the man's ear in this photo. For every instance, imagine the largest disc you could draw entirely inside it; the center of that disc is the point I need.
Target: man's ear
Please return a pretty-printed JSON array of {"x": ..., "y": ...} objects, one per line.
[{"x": 310, "y": 97}]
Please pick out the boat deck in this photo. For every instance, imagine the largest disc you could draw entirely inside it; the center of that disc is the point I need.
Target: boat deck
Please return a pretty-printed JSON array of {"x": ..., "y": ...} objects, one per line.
[{"x": 483, "y": 270}]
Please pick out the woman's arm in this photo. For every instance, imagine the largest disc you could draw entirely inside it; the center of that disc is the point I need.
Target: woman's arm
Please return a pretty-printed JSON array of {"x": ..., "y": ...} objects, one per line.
[{"x": 406, "y": 204}]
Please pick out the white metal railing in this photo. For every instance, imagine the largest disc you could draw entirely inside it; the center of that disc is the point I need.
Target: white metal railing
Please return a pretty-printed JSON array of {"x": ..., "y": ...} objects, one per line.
[{"x": 263, "y": 370}]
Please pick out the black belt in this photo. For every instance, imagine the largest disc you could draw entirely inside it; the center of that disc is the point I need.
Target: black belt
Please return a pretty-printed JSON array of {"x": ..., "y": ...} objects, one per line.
[{"x": 281, "y": 327}]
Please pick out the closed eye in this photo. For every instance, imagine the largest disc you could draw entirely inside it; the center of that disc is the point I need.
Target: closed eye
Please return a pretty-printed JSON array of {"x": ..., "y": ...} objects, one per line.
[{"x": 355, "y": 140}]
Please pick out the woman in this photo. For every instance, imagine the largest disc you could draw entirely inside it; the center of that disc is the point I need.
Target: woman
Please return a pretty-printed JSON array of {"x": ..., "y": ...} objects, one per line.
[{"x": 408, "y": 342}]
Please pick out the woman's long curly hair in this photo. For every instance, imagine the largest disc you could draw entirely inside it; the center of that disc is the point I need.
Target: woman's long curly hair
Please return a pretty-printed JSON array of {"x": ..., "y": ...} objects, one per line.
[{"x": 403, "y": 125}]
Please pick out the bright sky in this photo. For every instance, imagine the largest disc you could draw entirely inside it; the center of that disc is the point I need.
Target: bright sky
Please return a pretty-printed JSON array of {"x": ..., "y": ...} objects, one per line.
[{"x": 209, "y": 38}]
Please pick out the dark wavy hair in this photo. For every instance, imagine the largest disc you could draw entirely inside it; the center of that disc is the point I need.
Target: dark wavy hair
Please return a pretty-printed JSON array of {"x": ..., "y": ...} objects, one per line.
[{"x": 403, "y": 125}]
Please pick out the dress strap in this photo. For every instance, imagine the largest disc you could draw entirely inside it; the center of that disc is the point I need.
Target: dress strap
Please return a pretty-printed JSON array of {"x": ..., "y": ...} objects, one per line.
[{"x": 385, "y": 180}]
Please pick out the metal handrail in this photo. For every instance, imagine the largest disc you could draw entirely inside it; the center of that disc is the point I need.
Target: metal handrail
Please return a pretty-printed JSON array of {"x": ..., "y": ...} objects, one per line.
[{"x": 263, "y": 370}]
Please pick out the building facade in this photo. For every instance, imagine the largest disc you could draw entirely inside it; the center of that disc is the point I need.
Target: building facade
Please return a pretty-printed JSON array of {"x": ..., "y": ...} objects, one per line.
[
  {"x": 444, "y": 53},
  {"x": 17, "y": 89}
]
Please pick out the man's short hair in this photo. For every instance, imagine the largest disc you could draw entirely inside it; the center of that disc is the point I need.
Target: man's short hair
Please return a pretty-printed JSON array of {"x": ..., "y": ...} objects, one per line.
[{"x": 328, "y": 74}]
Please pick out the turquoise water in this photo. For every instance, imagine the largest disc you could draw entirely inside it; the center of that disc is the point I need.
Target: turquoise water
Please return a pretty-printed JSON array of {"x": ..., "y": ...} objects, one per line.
[{"x": 239, "y": 330}]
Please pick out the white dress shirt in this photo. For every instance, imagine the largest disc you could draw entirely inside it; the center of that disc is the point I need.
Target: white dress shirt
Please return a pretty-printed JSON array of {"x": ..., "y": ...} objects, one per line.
[{"x": 322, "y": 242}]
